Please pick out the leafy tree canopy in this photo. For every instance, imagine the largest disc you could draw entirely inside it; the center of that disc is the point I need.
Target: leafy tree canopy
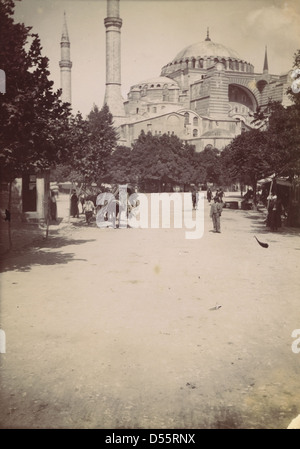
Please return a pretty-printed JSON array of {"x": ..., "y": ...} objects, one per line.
[{"x": 34, "y": 122}]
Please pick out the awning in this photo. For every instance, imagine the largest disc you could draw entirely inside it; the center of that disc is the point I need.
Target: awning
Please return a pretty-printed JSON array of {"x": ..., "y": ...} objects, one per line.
[{"x": 279, "y": 181}]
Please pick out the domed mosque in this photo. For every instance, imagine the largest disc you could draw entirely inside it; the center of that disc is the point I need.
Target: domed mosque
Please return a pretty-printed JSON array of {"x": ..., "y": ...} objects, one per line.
[{"x": 206, "y": 95}]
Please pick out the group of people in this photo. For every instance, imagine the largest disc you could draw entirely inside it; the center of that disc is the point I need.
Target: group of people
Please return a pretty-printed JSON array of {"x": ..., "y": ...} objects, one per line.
[
  {"x": 216, "y": 206},
  {"x": 88, "y": 206},
  {"x": 108, "y": 205},
  {"x": 219, "y": 194}
]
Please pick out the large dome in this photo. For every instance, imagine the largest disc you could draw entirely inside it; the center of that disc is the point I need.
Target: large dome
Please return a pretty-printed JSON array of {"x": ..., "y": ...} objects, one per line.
[{"x": 206, "y": 48}]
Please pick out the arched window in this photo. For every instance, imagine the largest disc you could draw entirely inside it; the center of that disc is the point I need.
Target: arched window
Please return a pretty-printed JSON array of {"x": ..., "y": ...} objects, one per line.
[
  {"x": 186, "y": 118},
  {"x": 195, "y": 132},
  {"x": 195, "y": 121}
]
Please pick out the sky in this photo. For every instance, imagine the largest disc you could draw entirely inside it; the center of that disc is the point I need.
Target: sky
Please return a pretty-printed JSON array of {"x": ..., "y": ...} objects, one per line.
[{"x": 154, "y": 32}]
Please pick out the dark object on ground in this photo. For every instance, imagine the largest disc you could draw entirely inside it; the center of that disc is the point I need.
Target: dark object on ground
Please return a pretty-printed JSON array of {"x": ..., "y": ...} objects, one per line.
[{"x": 264, "y": 245}]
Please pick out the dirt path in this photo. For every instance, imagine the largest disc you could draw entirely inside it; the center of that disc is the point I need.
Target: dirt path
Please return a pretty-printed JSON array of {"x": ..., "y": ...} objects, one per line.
[{"x": 115, "y": 328}]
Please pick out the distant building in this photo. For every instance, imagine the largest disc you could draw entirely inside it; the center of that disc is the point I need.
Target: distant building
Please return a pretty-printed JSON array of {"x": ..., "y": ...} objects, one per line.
[{"x": 205, "y": 95}]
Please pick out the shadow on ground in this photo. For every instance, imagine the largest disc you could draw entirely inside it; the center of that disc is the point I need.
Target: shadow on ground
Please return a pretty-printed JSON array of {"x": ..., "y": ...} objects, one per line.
[
  {"x": 36, "y": 253},
  {"x": 258, "y": 225},
  {"x": 34, "y": 258}
]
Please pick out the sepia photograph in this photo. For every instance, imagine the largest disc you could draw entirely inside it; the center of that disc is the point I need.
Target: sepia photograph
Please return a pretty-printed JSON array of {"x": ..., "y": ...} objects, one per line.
[{"x": 150, "y": 217}]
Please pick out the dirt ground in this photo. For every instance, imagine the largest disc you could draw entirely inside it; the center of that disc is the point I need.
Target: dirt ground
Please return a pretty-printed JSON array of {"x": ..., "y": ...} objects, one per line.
[{"x": 116, "y": 328}]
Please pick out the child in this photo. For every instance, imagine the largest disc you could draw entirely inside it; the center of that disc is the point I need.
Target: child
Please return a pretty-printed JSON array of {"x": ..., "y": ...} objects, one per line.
[{"x": 88, "y": 208}]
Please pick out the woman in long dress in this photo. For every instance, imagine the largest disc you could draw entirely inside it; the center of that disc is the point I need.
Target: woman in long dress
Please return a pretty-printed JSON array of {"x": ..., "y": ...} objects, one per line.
[{"x": 74, "y": 204}]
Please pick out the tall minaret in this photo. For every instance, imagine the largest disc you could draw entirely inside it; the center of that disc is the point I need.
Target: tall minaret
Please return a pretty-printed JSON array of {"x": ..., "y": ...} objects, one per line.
[
  {"x": 266, "y": 66},
  {"x": 65, "y": 64},
  {"x": 207, "y": 35},
  {"x": 113, "y": 97}
]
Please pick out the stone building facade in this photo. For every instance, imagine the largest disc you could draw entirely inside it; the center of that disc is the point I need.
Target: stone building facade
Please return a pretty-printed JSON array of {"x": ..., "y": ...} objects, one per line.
[{"x": 206, "y": 95}]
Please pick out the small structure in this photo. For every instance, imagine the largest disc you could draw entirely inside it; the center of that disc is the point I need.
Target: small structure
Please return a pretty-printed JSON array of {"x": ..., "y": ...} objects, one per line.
[{"x": 29, "y": 197}]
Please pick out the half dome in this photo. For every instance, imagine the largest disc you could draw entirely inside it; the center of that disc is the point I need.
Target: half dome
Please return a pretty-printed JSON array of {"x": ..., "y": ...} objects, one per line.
[{"x": 158, "y": 81}]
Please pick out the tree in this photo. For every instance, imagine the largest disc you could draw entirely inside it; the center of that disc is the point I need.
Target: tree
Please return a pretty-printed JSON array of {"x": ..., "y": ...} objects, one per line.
[
  {"x": 119, "y": 169},
  {"x": 283, "y": 140},
  {"x": 33, "y": 118},
  {"x": 34, "y": 122},
  {"x": 209, "y": 161},
  {"x": 294, "y": 90},
  {"x": 246, "y": 158},
  {"x": 94, "y": 141},
  {"x": 161, "y": 160}
]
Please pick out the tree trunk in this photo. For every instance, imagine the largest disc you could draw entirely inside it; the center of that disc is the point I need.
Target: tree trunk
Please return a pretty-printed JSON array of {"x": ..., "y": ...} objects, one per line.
[
  {"x": 254, "y": 186},
  {"x": 9, "y": 218},
  {"x": 48, "y": 218},
  {"x": 70, "y": 193}
]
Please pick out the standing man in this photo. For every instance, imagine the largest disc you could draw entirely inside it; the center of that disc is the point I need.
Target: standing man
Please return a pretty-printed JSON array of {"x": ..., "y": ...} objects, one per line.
[
  {"x": 209, "y": 194},
  {"x": 194, "y": 197},
  {"x": 215, "y": 214}
]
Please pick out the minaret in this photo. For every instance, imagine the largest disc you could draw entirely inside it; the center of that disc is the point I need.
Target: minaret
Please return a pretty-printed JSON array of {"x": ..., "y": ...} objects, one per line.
[
  {"x": 207, "y": 35},
  {"x": 266, "y": 67},
  {"x": 113, "y": 97},
  {"x": 65, "y": 64}
]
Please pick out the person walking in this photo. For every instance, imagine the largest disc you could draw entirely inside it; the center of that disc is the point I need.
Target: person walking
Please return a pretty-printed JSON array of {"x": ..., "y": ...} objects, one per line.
[
  {"x": 221, "y": 194},
  {"x": 89, "y": 209},
  {"x": 215, "y": 214},
  {"x": 194, "y": 197},
  {"x": 74, "y": 204},
  {"x": 82, "y": 201},
  {"x": 53, "y": 206},
  {"x": 209, "y": 194}
]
